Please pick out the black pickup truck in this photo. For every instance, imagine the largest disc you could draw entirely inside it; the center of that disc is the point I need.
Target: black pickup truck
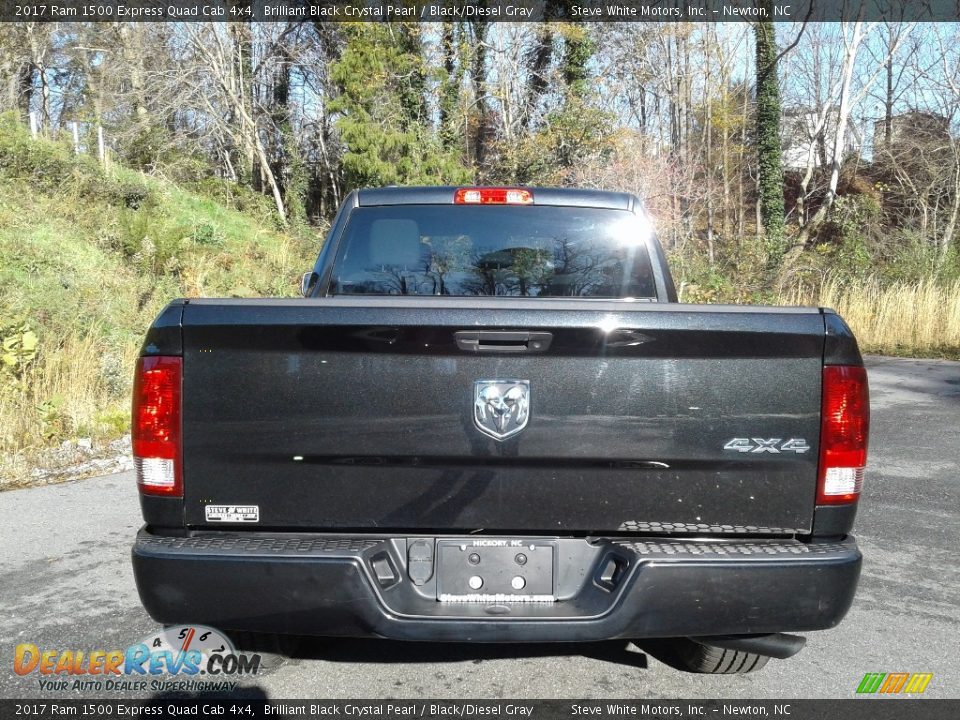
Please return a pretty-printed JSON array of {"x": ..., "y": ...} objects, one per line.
[{"x": 489, "y": 420}]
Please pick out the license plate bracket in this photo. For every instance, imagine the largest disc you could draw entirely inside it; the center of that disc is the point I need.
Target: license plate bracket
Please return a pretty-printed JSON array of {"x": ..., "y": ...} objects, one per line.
[{"x": 496, "y": 570}]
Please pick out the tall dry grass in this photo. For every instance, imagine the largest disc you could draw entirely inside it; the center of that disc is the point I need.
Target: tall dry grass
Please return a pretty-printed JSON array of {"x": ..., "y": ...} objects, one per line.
[
  {"x": 71, "y": 389},
  {"x": 899, "y": 318}
]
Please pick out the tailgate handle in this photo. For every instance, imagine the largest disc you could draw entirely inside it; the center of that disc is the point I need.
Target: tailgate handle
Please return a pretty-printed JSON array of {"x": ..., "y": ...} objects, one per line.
[{"x": 503, "y": 341}]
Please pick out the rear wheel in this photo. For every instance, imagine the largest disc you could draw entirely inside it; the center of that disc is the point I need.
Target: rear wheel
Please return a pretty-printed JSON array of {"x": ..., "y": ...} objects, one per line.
[
  {"x": 694, "y": 657},
  {"x": 689, "y": 656}
]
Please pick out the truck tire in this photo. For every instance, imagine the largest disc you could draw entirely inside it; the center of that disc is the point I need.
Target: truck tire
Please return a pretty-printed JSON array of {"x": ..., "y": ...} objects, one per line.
[{"x": 697, "y": 658}]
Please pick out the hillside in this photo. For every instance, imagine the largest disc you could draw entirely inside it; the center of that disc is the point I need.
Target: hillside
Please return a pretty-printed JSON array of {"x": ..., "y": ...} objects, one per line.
[
  {"x": 87, "y": 259},
  {"x": 89, "y": 256}
]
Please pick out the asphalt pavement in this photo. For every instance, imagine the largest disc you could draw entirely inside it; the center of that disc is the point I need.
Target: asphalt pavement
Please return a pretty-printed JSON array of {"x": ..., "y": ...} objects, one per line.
[{"x": 67, "y": 584}]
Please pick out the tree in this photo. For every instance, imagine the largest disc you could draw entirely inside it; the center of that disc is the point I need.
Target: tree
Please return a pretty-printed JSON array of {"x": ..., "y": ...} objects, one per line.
[
  {"x": 223, "y": 72},
  {"x": 450, "y": 84},
  {"x": 382, "y": 111},
  {"x": 570, "y": 126},
  {"x": 483, "y": 130},
  {"x": 838, "y": 107},
  {"x": 770, "y": 183}
]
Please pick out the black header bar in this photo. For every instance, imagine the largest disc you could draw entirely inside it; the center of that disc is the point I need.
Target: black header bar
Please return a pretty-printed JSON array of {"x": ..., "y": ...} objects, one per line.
[{"x": 480, "y": 10}]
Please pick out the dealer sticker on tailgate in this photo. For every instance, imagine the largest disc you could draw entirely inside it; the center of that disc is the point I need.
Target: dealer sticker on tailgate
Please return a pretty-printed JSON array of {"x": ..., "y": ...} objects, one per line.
[{"x": 232, "y": 513}]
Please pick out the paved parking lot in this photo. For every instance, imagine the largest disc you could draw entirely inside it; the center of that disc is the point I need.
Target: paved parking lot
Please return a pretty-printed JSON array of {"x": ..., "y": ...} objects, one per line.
[{"x": 67, "y": 585}]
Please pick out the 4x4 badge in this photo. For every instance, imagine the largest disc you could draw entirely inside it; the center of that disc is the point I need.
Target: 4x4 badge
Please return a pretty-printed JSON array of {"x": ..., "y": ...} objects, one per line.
[
  {"x": 501, "y": 408},
  {"x": 767, "y": 445}
]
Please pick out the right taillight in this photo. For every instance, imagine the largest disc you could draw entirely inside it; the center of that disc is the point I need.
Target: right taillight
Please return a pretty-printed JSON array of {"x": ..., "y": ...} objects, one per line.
[
  {"x": 844, "y": 429},
  {"x": 155, "y": 425}
]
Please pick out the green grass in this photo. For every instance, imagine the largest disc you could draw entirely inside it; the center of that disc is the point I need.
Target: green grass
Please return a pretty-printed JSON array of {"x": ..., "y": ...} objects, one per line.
[{"x": 87, "y": 260}]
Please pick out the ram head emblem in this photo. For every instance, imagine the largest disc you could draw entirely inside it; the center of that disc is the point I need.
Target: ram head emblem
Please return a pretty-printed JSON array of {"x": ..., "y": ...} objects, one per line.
[{"x": 501, "y": 408}]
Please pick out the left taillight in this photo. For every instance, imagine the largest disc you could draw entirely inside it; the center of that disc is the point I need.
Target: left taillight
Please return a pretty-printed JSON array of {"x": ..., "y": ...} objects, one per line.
[{"x": 155, "y": 426}]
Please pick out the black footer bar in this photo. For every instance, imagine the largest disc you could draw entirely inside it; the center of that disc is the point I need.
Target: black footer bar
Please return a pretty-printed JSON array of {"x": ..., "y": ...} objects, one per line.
[{"x": 249, "y": 702}]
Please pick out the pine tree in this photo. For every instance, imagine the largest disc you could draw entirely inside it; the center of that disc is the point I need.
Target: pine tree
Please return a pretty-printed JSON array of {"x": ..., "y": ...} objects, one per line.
[{"x": 383, "y": 111}]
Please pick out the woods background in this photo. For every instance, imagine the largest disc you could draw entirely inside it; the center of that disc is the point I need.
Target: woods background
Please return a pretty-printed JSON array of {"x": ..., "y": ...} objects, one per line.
[{"x": 814, "y": 164}]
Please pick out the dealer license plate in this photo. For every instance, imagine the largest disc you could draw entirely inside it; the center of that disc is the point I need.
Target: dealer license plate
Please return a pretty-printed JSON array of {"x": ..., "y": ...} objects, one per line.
[{"x": 496, "y": 570}]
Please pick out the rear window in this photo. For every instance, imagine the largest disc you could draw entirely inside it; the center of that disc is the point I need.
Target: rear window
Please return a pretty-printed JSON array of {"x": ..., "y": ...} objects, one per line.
[{"x": 509, "y": 251}]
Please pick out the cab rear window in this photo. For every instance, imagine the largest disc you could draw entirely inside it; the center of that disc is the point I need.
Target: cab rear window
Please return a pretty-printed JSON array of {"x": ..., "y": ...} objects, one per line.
[{"x": 510, "y": 251}]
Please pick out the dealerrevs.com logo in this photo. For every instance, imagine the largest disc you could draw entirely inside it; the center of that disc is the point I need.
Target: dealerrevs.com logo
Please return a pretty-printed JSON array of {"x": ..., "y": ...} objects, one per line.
[{"x": 173, "y": 659}]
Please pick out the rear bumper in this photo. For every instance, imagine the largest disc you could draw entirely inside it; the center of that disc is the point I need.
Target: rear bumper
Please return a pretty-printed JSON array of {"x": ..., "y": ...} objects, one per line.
[{"x": 358, "y": 586}]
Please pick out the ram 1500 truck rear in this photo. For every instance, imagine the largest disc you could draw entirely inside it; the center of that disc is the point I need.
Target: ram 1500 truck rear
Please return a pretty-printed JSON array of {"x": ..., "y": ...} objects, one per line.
[{"x": 490, "y": 420}]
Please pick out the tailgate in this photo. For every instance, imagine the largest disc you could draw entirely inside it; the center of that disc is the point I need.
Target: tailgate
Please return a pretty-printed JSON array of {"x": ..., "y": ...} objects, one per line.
[{"x": 362, "y": 414}]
